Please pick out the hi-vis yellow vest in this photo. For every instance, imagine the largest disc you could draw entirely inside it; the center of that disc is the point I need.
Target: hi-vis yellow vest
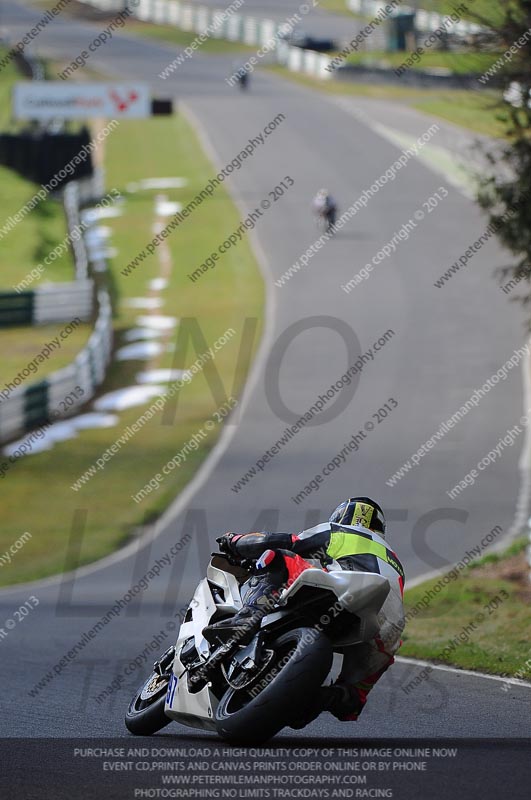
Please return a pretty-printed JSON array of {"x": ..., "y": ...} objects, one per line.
[{"x": 347, "y": 543}]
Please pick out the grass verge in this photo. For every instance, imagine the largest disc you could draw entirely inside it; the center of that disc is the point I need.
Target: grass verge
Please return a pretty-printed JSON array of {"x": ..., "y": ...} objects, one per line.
[
  {"x": 485, "y": 611},
  {"x": 20, "y": 345},
  {"x": 339, "y": 7},
  {"x": 489, "y": 9},
  {"x": 223, "y": 298},
  {"x": 484, "y": 9},
  {"x": 455, "y": 62},
  {"x": 29, "y": 242}
]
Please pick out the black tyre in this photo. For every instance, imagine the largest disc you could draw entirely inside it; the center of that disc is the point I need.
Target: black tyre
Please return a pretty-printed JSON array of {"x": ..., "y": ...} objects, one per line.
[
  {"x": 303, "y": 658},
  {"x": 145, "y": 714}
]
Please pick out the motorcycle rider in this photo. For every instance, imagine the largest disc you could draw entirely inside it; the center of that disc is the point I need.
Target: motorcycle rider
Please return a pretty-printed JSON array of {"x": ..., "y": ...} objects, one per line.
[
  {"x": 241, "y": 74},
  {"x": 353, "y": 539},
  {"x": 325, "y": 206},
  {"x": 243, "y": 79}
]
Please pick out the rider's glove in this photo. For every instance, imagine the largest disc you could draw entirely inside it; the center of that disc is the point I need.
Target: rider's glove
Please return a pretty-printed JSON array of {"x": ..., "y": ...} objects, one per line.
[
  {"x": 225, "y": 543},
  {"x": 227, "y": 547}
]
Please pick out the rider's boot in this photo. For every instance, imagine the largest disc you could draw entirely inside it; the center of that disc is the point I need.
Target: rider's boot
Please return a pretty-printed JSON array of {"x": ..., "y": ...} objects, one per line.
[{"x": 275, "y": 570}]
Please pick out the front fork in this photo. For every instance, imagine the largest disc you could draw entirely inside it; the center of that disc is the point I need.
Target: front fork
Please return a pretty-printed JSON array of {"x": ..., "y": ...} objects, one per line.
[{"x": 163, "y": 666}]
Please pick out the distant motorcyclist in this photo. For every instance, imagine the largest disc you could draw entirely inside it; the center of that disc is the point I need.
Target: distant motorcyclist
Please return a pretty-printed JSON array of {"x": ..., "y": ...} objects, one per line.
[
  {"x": 242, "y": 75},
  {"x": 353, "y": 539},
  {"x": 243, "y": 79},
  {"x": 325, "y": 208}
]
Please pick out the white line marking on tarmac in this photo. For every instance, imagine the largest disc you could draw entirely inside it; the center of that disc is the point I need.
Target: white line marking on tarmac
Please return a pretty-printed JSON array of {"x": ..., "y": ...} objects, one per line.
[{"x": 444, "y": 668}]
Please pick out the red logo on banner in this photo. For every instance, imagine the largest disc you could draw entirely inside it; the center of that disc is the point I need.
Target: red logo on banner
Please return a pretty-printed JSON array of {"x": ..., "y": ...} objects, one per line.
[{"x": 121, "y": 104}]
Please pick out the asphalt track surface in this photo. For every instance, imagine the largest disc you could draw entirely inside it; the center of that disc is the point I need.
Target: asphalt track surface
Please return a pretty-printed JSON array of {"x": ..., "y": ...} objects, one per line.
[{"x": 447, "y": 342}]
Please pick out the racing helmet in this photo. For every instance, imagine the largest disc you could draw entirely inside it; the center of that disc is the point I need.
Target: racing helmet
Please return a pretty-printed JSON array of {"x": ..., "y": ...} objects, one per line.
[{"x": 360, "y": 511}]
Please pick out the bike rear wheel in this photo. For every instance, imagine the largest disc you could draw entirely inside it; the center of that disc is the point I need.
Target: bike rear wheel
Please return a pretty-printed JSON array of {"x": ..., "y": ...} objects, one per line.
[{"x": 303, "y": 658}]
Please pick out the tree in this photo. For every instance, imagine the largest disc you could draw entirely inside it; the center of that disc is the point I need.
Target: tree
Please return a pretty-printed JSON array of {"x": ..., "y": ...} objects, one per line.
[{"x": 506, "y": 195}]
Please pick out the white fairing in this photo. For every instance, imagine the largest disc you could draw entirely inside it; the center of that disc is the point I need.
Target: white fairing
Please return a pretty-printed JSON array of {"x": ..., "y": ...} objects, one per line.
[
  {"x": 361, "y": 593},
  {"x": 196, "y": 709},
  {"x": 230, "y": 587}
]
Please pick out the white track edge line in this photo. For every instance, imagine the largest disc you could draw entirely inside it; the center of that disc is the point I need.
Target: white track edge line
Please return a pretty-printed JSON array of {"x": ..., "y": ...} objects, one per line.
[{"x": 420, "y": 663}]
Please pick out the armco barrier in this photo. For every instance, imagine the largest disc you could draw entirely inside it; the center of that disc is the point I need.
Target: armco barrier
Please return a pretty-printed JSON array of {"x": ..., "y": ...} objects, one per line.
[
  {"x": 52, "y": 302},
  {"x": 58, "y": 302},
  {"x": 15, "y": 308},
  {"x": 306, "y": 61},
  {"x": 28, "y": 407}
]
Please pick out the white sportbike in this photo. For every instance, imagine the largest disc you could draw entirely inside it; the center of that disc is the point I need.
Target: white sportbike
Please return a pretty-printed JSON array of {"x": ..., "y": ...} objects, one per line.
[{"x": 247, "y": 691}]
